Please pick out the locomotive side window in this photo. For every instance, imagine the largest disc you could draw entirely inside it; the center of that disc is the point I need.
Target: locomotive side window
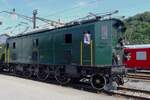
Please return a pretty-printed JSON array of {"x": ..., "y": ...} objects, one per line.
[
  {"x": 104, "y": 32},
  {"x": 142, "y": 55},
  {"x": 35, "y": 42},
  {"x": 68, "y": 38},
  {"x": 14, "y": 45}
]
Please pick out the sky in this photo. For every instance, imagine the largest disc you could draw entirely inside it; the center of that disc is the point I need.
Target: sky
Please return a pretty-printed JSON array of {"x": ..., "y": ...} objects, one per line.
[{"x": 65, "y": 10}]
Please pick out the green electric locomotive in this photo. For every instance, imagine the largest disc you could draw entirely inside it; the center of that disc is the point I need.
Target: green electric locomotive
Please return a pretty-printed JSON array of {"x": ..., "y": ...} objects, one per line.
[{"x": 89, "y": 49}]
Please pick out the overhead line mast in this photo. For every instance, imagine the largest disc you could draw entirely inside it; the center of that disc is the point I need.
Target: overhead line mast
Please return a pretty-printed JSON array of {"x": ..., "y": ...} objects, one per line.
[{"x": 33, "y": 19}]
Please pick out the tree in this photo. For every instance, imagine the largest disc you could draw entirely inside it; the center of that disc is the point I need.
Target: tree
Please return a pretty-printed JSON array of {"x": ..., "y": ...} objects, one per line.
[{"x": 138, "y": 28}]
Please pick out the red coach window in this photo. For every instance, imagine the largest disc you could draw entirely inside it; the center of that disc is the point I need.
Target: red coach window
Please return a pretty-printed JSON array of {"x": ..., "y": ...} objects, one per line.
[{"x": 141, "y": 55}]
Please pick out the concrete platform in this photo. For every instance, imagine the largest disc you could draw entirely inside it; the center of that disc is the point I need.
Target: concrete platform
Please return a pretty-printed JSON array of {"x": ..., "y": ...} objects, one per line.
[{"x": 13, "y": 88}]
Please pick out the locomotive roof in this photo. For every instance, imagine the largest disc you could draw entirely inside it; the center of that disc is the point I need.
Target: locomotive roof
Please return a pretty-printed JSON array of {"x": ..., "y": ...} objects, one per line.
[
  {"x": 137, "y": 46},
  {"x": 35, "y": 31}
]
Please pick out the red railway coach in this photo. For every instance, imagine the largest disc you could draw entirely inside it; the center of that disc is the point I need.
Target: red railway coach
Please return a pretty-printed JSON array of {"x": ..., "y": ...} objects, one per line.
[{"x": 137, "y": 56}]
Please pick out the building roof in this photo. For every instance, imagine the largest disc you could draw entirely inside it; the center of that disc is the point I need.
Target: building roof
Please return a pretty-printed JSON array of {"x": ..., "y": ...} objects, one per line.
[
  {"x": 3, "y": 38},
  {"x": 4, "y": 35},
  {"x": 137, "y": 46}
]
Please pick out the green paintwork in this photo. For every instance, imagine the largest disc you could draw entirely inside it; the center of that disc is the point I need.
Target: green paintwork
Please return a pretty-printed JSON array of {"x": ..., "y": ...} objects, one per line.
[{"x": 52, "y": 48}]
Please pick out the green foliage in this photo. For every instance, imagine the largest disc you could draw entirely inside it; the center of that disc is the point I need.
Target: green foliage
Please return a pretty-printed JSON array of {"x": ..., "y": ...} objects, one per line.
[{"x": 138, "y": 28}]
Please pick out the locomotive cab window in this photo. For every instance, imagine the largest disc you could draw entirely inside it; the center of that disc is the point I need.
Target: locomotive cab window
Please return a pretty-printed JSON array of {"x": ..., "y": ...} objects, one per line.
[
  {"x": 68, "y": 38},
  {"x": 14, "y": 45}
]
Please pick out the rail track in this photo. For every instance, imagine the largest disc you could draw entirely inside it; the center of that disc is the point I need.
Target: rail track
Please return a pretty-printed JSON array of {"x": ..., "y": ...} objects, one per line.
[
  {"x": 129, "y": 93},
  {"x": 139, "y": 76},
  {"x": 134, "y": 94},
  {"x": 144, "y": 72}
]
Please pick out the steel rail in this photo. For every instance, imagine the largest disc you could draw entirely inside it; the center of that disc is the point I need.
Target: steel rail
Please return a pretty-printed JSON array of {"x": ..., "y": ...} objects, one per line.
[
  {"x": 130, "y": 93},
  {"x": 139, "y": 76}
]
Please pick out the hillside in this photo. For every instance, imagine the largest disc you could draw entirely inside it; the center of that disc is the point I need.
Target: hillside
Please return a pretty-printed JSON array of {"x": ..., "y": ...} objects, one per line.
[{"x": 138, "y": 28}]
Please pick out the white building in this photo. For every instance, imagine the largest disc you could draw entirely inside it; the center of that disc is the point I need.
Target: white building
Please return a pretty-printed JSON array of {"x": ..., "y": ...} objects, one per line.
[{"x": 3, "y": 38}]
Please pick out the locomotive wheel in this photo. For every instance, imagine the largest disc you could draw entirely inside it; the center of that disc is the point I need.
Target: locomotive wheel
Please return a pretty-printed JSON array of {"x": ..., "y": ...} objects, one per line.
[
  {"x": 12, "y": 68},
  {"x": 16, "y": 70},
  {"x": 43, "y": 73},
  {"x": 60, "y": 76},
  {"x": 98, "y": 81},
  {"x": 27, "y": 71}
]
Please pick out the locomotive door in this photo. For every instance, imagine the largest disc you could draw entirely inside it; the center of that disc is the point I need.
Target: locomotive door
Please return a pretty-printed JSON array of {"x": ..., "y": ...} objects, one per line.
[
  {"x": 35, "y": 51},
  {"x": 86, "y": 50}
]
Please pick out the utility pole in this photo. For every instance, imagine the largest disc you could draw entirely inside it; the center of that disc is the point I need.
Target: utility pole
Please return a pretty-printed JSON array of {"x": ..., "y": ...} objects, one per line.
[{"x": 34, "y": 18}]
